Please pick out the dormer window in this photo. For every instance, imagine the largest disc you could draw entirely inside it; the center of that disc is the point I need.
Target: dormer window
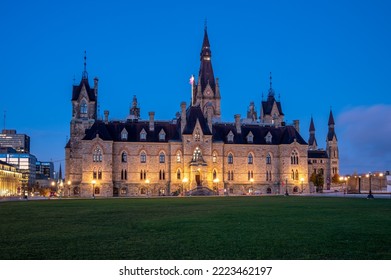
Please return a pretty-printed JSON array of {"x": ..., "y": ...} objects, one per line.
[
  {"x": 162, "y": 135},
  {"x": 143, "y": 135},
  {"x": 250, "y": 137},
  {"x": 124, "y": 135},
  {"x": 230, "y": 137},
  {"x": 268, "y": 138}
]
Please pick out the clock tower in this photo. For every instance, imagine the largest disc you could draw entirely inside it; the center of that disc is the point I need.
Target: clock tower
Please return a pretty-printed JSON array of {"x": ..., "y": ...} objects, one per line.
[{"x": 206, "y": 93}]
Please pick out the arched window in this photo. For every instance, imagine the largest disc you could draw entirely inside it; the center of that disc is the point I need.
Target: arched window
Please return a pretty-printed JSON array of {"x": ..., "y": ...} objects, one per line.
[
  {"x": 162, "y": 158},
  {"x": 197, "y": 155},
  {"x": 295, "y": 189},
  {"x": 97, "y": 190},
  {"x": 94, "y": 174},
  {"x": 197, "y": 135},
  {"x": 97, "y": 155},
  {"x": 250, "y": 159},
  {"x": 143, "y": 157},
  {"x": 297, "y": 175},
  {"x": 99, "y": 174},
  {"x": 268, "y": 159},
  {"x": 230, "y": 158},
  {"x": 214, "y": 157},
  {"x": 178, "y": 156},
  {"x": 214, "y": 174},
  {"x": 293, "y": 175},
  {"x": 124, "y": 157},
  {"x": 269, "y": 190},
  {"x": 162, "y": 175},
  {"x": 124, "y": 174},
  {"x": 294, "y": 157},
  {"x": 83, "y": 107},
  {"x": 178, "y": 174}
]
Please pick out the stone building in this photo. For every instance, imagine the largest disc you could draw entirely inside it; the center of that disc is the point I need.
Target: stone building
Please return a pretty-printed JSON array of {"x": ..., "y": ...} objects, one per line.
[{"x": 195, "y": 153}]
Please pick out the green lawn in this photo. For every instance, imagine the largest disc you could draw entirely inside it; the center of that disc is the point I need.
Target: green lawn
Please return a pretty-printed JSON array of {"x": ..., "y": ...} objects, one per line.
[{"x": 197, "y": 228}]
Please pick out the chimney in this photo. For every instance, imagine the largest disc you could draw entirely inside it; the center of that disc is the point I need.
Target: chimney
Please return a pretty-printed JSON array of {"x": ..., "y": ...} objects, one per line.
[
  {"x": 151, "y": 121},
  {"x": 106, "y": 112},
  {"x": 237, "y": 123},
  {"x": 296, "y": 124},
  {"x": 183, "y": 116},
  {"x": 209, "y": 109}
]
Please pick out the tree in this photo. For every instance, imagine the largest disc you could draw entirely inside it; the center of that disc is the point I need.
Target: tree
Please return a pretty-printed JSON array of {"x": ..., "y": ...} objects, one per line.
[
  {"x": 318, "y": 181},
  {"x": 335, "y": 179}
]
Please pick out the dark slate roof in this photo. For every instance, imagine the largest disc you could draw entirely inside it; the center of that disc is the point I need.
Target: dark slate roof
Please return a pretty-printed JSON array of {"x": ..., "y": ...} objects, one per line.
[
  {"x": 331, "y": 118},
  {"x": 317, "y": 154},
  {"x": 267, "y": 105},
  {"x": 206, "y": 70},
  {"x": 112, "y": 131},
  {"x": 280, "y": 135},
  {"x": 312, "y": 126},
  {"x": 192, "y": 114},
  {"x": 77, "y": 89}
]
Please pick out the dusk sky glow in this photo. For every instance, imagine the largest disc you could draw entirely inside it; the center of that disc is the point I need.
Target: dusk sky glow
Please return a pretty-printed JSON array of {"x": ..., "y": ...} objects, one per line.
[{"x": 322, "y": 55}]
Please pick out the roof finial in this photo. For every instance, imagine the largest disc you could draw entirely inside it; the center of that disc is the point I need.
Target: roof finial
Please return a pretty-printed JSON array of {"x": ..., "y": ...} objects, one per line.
[
  {"x": 85, "y": 74},
  {"x": 270, "y": 79},
  {"x": 206, "y": 24}
]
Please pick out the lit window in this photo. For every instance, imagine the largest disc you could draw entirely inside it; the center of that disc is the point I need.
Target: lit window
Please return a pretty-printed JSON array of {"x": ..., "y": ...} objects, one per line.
[
  {"x": 197, "y": 135},
  {"x": 178, "y": 174},
  {"x": 124, "y": 134},
  {"x": 162, "y": 135},
  {"x": 294, "y": 157},
  {"x": 268, "y": 138},
  {"x": 214, "y": 175},
  {"x": 178, "y": 156},
  {"x": 214, "y": 157},
  {"x": 230, "y": 137}
]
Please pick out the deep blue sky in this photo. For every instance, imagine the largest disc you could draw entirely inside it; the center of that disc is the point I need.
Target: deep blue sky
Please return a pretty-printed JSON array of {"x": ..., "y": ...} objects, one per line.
[{"x": 322, "y": 54}]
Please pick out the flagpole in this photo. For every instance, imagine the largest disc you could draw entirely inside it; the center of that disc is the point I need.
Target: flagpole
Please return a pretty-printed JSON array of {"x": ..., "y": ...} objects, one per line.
[{"x": 192, "y": 89}]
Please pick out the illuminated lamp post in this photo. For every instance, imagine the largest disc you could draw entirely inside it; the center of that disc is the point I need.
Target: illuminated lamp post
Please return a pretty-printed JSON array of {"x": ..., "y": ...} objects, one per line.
[
  {"x": 370, "y": 195},
  {"x": 93, "y": 182},
  {"x": 184, "y": 181},
  {"x": 252, "y": 184},
  {"x": 302, "y": 182},
  {"x": 147, "y": 182},
  {"x": 216, "y": 182},
  {"x": 69, "y": 188},
  {"x": 286, "y": 187}
]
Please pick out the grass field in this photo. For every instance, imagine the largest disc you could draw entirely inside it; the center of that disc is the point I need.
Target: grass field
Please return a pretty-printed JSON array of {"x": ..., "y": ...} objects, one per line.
[{"x": 197, "y": 228}]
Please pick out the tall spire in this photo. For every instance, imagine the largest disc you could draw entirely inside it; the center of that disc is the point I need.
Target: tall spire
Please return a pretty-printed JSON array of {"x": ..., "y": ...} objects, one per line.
[
  {"x": 271, "y": 91},
  {"x": 331, "y": 133},
  {"x": 312, "y": 143},
  {"x": 85, "y": 74},
  {"x": 206, "y": 75}
]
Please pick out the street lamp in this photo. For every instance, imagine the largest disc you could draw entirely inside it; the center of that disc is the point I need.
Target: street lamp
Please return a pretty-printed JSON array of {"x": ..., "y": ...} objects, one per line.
[
  {"x": 93, "y": 188},
  {"x": 69, "y": 188},
  {"x": 184, "y": 181},
  {"x": 286, "y": 187},
  {"x": 147, "y": 182},
  {"x": 252, "y": 184},
  {"x": 302, "y": 181},
  {"x": 370, "y": 195},
  {"x": 216, "y": 182}
]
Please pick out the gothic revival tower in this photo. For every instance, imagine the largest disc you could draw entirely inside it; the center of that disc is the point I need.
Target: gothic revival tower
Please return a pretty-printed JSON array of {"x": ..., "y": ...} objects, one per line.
[
  {"x": 206, "y": 93},
  {"x": 271, "y": 112},
  {"x": 312, "y": 143},
  {"x": 332, "y": 149},
  {"x": 84, "y": 114}
]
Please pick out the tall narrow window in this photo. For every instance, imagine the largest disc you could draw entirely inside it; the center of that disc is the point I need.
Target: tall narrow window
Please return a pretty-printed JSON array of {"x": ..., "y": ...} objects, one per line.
[
  {"x": 100, "y": 174},
  {"x": 124, "y": 157},
  {"x": 214, "y": 157},
  {"x": 178, "y": 157},
  {"x": 143, "y": 157},
  {"x": 214, "y": 175},
  {"x": 230, "y": 158},
  {"x": 162, "y": 157},
  {"x": 250, "y": 159},
  {"x": 297, "y": 175},
  {"x": 178, "y": 174},
  {"x": 268, "y": 159},
  {"x": 97, "y": 155},
  {"x": 83, "y": 107},
  {"x": 294, "y": 157}
]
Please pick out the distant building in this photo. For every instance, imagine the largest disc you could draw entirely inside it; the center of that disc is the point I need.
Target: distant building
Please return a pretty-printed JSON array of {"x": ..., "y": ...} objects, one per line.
[
  {"x": 10, "y": 139},
  {"x": 44, "y": 170},
  {"x": 10, "y": 180},
  {"x": 24, "y": 162},
  {"x": 194, "y": 151}
]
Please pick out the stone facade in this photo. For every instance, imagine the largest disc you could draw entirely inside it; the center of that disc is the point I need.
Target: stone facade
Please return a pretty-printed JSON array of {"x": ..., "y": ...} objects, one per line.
[{"x": 137, "y": 157}]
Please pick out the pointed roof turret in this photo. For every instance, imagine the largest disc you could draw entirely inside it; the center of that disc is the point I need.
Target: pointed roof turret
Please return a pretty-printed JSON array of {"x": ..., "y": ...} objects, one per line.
[
  {"x": 206, "y": 75},
  {"x": 312, "y": 143},
  {"x": 331, "y": 118},
  {"x": 331, "y": 133},
  {"x": 91, "y": 92},
  {"x": 85, "y": 74}
]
